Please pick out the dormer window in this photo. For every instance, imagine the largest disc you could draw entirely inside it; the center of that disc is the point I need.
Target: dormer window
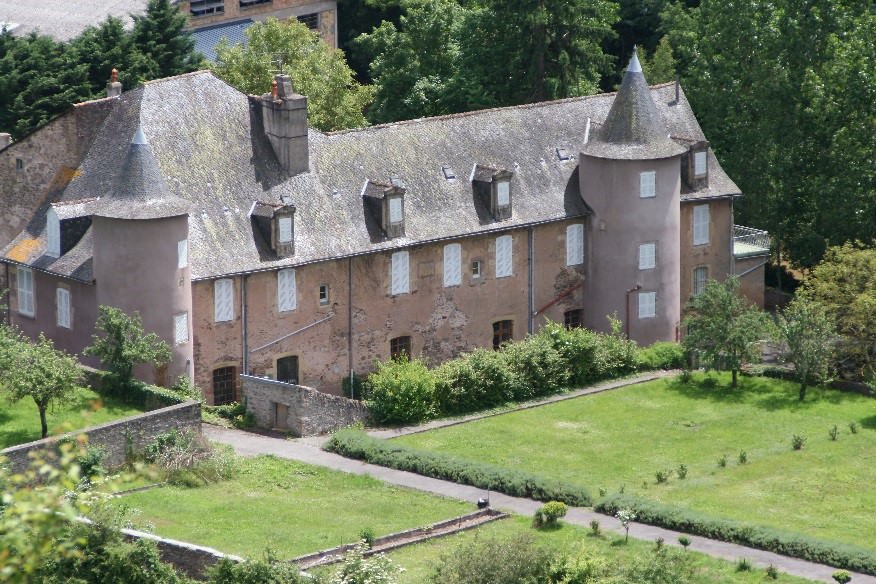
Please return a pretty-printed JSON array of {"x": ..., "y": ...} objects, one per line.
[
  {"x": 53, "y": 234},
  {"x": 695, "y": 166},
  {"x": 494, "y": 186},
  {"x": 276, "y": 223},
  {"x": 285, "y": 230},
  {"x": 699, "y": 164},
  {"x": 386, "y": 204}
]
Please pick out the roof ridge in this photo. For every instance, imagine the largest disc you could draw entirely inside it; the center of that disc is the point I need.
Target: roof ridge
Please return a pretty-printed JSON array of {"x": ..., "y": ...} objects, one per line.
[{"x": 181, "y": 76}]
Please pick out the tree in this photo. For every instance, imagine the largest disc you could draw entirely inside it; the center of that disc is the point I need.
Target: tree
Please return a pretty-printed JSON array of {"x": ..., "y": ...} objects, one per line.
[
  {"x": 335, "y": 99},
  {"x": 160, "y": 35},
  {"x": 38, "y": 371},
  {"x": 120, "y": 343},
  {"x": 723, "y": 328},
  {"x": 809, "y": 336},
  {"x": 844, "y": 283},
  {"x": 109, "y": 46},
  {"x": 660, "y": 68}
]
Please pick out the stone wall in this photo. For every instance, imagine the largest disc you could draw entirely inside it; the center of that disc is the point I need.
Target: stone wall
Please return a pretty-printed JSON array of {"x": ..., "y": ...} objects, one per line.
[
  {"x": 307, "y": 412},
  {"x": 116, "y": 437}
]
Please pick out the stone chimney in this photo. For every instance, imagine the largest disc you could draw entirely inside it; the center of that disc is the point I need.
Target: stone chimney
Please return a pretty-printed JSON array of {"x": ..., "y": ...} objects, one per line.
[
  {"x": 114, "y": 88},
  {"x": 284, "y": 118}
]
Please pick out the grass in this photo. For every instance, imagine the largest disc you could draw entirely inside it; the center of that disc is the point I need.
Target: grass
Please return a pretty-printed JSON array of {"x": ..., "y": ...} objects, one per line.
[
  {"x": 625, "y": 436},
  {"x": 290, "y": 507},
  {"x": 20, "y": 421},
  {"x": 419, "y": 560}
]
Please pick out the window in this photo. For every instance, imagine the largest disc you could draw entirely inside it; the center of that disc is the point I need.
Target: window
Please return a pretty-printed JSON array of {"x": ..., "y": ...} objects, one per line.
[
  {"x": 503, "y": 193},
  {"x": 701, "y": 225},
  {"x": 205, "y": 7},
  {"x": 223, "y": 300},
  {"x": 476, "y": 271},
  {"x": 287, "y": 369},
  {"x": 504, "y": 258},
  {"x": 452, "y": 265},
  {"x": 647, "y": 256},
  {"x": 25, "y": 292},
  {"x": 400, "y": 346},
  {"x": 62, "y": 296},
  {"x": 700, "y": 277},
  {"x": 699, "y": 163},
  {"x": 323, "y": 294},
  {"x": 224, "y": 381},
  {"x": 53, "y": 234},
  {"x": 575, "y": 244},
  {"x": 182, "y": 254},
  {"x": 181, "y": 328},
  {"x": 395, "y": 210},
  {"x": 503, "y": 331},
  {"x": 572, "y": 318},
  {"x": 285, "y": 235},
  {"x": 647, "y": 304},
  {"x": 19, "y": 164},
  {"x": 647, "y": 184},
  {"x": 311, "y": 20},
  {"x": 399, "y": 275},
  {"x": 287, "y": 290}
]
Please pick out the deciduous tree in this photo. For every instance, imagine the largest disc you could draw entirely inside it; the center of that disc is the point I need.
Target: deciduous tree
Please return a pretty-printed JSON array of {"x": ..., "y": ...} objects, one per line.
[{"x": 808, "y": 334}]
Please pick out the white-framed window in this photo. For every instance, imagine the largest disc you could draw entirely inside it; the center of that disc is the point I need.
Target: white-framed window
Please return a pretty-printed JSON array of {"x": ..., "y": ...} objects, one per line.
[
  {"x": 324, "y": 299},
  {"x": 395, "y": 210},
  {"x": 504, "y": 256},
  {"x": 699, "y": 163},
  {"x": 53, "y": 234},
  {"x": 181, "y": 328},
  {"x": 285, "y": 235},
  {"x": 503, "y": 193},
  {"x": 647, "y": 304},
  {"x": 575, "y": 244},
  {"x": 647, "y": 256},
  {"x": 701, "y": 225},
  {"x": 287, "y": 290},
  {"x": 399, "y": 273},
  {"x": 25, "y": 291},
  {"x": 700, "y": 277},
  {"x": 62, "y": 296},
  {"x": 476, "y": 269},
  {"x": 223, "y": 300},
  {"x": 182, "y": 254},
  {"x": 452, "y": 265},
  {"x": 648, "y": 184}
]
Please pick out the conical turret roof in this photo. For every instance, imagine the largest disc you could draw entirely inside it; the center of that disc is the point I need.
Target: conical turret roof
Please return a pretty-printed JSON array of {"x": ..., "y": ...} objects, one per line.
[{"x": 633, "y": 129}]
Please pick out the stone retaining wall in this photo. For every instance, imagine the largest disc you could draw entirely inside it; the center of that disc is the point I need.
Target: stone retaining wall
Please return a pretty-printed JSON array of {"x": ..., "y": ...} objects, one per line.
[
  {"x": 117, "y": 437},
  {"x": 307, "y": 412}
]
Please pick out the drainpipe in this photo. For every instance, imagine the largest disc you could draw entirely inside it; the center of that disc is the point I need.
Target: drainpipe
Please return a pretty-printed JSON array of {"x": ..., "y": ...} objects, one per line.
[
  {"x": 530, "y": 285},
  {"x": 8, "y": 311},
  {"x": 627, "y": 321},
  {"x": 243, "y": 325},
  {"x": 350, "y": 321}
]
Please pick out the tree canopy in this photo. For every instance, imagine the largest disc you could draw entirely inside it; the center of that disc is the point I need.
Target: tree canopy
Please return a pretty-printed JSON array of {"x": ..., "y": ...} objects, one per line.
[{"x": 808, "y": 335}]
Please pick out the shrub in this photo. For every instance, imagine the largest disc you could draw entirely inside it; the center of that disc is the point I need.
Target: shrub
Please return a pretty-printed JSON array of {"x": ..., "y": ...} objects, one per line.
[
  {"x": 842, "y": 576},
  {"x": 500, "y": 561},
  {"x": 684, "y": 541},
  {"x": 359, "y": 569},
  {"x": 235, "y": 413},
  {"x": 549, "y": 514},
  {"x": 401, "y": 392},
  {"x": 662, "y": 476},
  {"x": 833, "y": 432},
  {"x": 356, "y": 444},
  {"x": 625, "y": 516},
  {"x": 682, "y": 471},
  {"x": 186, "y": 389},
  {"x": 367, "y": 537},
  {"x": 798, "y": 441},
  {"x": 595, "y": 528},
  {"x": 358, "y": 386},
  {"x": 188, "y": 459},
  {"x": 590, "y": 356},
  {"x": 853, "y": 427},
  {"x": 479, "y": 380},
  {"x": 659, "y": 543},
  {"x": 743, "y": 565},
  {"x": 743, "y": 457},
  {"x": 789, "y": 544},
  {"x": 226, "y": 571},
  {"x": 772, "y": 572},
  {"x": 615, "y": 354},
  {"x": 722, "y": 462},
  {"x": 539, "y": 367},
  {"x": 661, "y": 355}
]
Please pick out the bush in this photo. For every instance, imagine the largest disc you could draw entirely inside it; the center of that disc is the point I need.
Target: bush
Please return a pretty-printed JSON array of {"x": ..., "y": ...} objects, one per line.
[
  {"x": 772, "y": 572},
  {"x": 479, "y": 380},
  {"x": 359, "y": 569},
  {"x": 235, "y": 412},
  {"x": 798, "y": 441},
  {"x": 682, "y": 471},
  {"x": 615, "y": 354},
  {"x": 661, "y": 355},
  {"x": 842, "y": 576},
  {"x": 265, "y": 571},
  {"x": 401, "y": 392},
  {"x": 662, "y": 476},
  {"x": 357, "y": 444},
  {"x": 684, "y": 541},
  {"x": 358, "y": 386},
  {"x": 549, "y": 514},
  {"x": 540, "y": 369},
  {"x": 789, "y": 544},
  {"x": 833, "y": 433},
  {"x": 743, "y": 565},
  {"x": 743, "y": 457},
  {"x": 496, "y": 561},
  {"x": 188, "y": 459},
  {"x": 592, "y": 356}
]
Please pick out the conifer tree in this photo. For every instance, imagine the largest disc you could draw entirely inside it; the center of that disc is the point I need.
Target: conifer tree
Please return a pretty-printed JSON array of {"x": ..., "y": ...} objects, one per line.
[{"x": 160, "y": 35}]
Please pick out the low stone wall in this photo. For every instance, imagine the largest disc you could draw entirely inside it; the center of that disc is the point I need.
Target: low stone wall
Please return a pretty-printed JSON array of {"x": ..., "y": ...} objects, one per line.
[
  {"x": 307, "y": 412},
  {"x": 116, "y": 437},
  {"x": 188, "y": 558}
]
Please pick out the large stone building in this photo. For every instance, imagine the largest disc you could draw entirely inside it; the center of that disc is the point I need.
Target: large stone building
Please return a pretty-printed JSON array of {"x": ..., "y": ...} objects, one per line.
[{"x": 255, "y": 244}]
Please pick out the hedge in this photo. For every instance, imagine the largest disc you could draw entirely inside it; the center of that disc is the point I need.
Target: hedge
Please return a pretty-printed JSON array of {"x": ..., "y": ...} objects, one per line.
[
  {"x": 147, "y": 397},
  {"x": 838, "y": 555},
  {"x": 357, "y": 444}
]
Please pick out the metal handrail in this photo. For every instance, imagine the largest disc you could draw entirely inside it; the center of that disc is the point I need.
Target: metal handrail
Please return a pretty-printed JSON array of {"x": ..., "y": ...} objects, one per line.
[{"x": 757, "y": 238}]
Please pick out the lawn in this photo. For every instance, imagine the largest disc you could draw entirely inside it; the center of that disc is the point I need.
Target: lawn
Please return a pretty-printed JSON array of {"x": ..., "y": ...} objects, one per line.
[
  {"x": 20, "y": 422},
  {"x": 621, "y": 438},
  {"x": 287, "y": 506},
  {"x": 419, "y": 560}
]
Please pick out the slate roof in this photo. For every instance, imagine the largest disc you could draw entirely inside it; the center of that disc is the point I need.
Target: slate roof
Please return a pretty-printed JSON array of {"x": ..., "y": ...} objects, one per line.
[
  {"x": 208, "y": 37},
  {"x": 209, "y": 147},
  {"x": 65, "y": 19}
]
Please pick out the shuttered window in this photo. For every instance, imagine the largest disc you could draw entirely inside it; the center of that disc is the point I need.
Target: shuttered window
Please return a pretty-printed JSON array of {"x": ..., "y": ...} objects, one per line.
[
  {"x": 452, "y": 265},
  {"x": 647, "y": 184},
  {"x": 223, "y": 300},
  {"x": 287, "y": 290},
  {"x": 504, "y": 256},
  {"x": 285, "y": 230},
  {"x": 503, "y": 193},
  {"x": 701, "y": 225},
  {"x": 575, "y": 244},
  {"x": 647, "y": 256},
  {"x": 53, "y": 234},
  {"x": 63, "y": 308},
  {"x": 647, "y": 304},
  {"x": 699, "y": 163},
  {"x": 399, "y": 274},
  {"x": 181, "y": 328},
  {"x": 25, "y": 292},
  {"x": 395, "y": 210},
  {"x": 182, "y": 254}
]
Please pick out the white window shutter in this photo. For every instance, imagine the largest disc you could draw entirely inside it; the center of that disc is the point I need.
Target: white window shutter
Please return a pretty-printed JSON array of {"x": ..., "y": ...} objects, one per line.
[
  {"x": 400, "y": 277},
  {"x": 699, "y": 164},
  {"x": 648, "y": 184},
  {"x": 285, "y": 235},
  {"x": 224, "y": 300},
  {"x": 395, "y": 210},
  {"x": 503, "y": 193},
  {"x": 181, "y": 328},
  {"x": 182, "y": 254},
  {"x": 53, "y": 234},
  {"x": 647, "y": 256},
  {"x": 504, "y": 256},
  {"x": 25, "y": 291},
  {"x": 701, "y": 225},
  {"x": 63, "y": 302},
  {"x": 287, "y": 290},
  {"x": 647, "y": 304},
  {"x": 575, "y": 244},
  {"x": 452, "y": 265}
]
